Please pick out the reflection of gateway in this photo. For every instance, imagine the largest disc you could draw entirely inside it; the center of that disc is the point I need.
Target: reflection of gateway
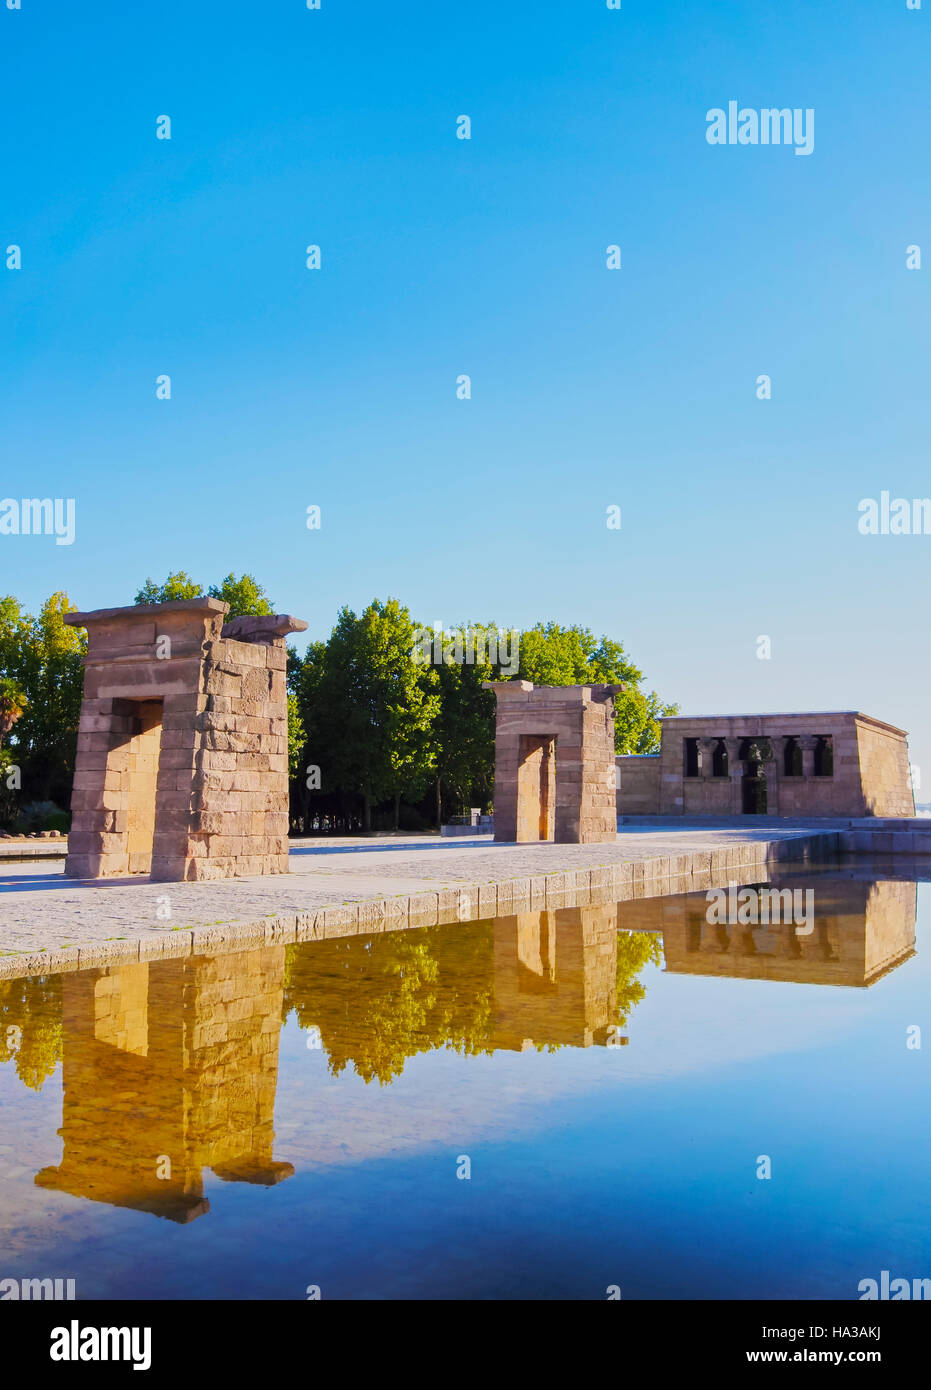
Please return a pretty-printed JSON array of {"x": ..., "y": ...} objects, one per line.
[
  {"x": 555, "y": 977},
  {"x": 171, "y": 1067},
  {"x": 168, "y": 1069},
  {"x": 861, "y": 931}
]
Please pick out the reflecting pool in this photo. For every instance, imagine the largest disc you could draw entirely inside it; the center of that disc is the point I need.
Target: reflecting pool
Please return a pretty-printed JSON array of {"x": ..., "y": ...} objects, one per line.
[{"x": 540, "y": 1106}]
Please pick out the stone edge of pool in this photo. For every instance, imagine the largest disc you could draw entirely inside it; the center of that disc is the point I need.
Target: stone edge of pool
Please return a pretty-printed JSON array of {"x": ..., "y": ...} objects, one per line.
[{"x": 661, "y": 876}]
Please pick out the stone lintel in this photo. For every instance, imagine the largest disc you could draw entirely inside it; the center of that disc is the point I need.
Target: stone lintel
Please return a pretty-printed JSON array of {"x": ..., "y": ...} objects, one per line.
[
  {"x": 552, "y": 694},
  {"x": 142, "y": 610}
]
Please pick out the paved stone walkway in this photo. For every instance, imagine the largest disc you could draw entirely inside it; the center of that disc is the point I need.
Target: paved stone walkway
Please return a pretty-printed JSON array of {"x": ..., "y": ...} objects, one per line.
[{"x": 46, "y": 920}]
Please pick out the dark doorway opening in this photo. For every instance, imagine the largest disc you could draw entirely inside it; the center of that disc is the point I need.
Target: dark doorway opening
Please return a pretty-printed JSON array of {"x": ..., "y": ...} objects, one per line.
[
  {"x": 792, "y": 758},
  {"x": 753, "y": 789},
  {"x": 824, "y": 757}
]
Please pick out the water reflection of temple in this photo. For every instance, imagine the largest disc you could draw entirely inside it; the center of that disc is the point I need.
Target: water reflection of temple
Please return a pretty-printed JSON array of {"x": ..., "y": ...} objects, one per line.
[
  {"x": 177, "y": 1060},
  {"x": 535, "y": 979},
  {"x": 860, "y": 931},
  {"x": 555, "y": 978},
  {"x": 169, "y": 1068}
]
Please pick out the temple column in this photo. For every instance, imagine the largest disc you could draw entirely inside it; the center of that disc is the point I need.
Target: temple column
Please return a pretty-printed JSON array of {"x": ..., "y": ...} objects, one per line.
[
  {"x": 706, "y": 749},
  {"x": 809, "y": 743},
  {"x": 735, "y": 771},
  {"x": 771, "y": 769},
  {"x": 780, "y": 745}
]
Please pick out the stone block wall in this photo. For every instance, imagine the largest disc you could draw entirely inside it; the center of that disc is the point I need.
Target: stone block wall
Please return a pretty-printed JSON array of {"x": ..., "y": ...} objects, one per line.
[
  {"x": 170, "y": 1067},
  {"x": 883, "y": 759},
  {"x": 861, "y": 930},
  {"x": 638, "y": 784},
  {"x": 866, "y": 774},
  {"x": 569, "y": 729},
  {"x": 182, "y": 760},
  {"x": 555, "y": 978}
]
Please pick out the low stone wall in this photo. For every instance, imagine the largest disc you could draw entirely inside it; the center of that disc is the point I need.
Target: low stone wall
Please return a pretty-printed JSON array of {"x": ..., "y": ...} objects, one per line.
[
  {"x": 687, "y": 872},
  {"x": 893, "y": 836},
  {"x": 33, "y": 849},
  {"x": 883, "y": 835}
]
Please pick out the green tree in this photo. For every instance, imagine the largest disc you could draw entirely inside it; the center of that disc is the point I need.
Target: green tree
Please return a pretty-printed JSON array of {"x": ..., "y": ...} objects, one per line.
[
  {"x": 30, "y": 1027},
  {"x": 406, "y": 701},
  {"x": 296, "y": 736},
  {"x": 245, "y": 596},
  {"x": 42, "y": 656},
  {"x": 554, "y": 655},
  {"x": 304, "y": 676},
  {"x": 375, "y": 708},
  {"x": 178, "y": 585},
  {"x": 635, "y": 950},
  {"x": 464, "y": 731},
  {"x": 12, "y": 703}
]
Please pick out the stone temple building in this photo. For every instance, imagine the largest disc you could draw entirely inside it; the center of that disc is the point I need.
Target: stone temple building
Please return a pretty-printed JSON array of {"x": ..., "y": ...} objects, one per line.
[
  {"x": 801, "y": 765},
  {"x": 182, "y": 761}
]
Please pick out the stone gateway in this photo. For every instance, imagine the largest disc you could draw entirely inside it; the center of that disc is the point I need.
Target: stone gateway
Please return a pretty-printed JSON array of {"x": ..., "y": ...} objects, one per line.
[
  {"x": 182, "y": 759},
  {"x": 554, "y": 762}
]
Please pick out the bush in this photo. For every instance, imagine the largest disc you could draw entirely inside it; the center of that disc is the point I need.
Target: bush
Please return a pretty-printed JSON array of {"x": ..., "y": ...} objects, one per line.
[{"x": 41, "y": 815}]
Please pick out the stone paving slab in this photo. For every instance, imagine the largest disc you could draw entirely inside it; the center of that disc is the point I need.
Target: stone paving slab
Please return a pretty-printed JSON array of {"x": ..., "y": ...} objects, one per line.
[{"x": 340, "y": 887}]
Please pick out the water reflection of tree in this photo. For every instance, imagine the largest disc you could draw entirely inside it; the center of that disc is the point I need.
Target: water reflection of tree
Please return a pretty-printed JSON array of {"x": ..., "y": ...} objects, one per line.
[
  {"x": 635, "y": 949},
  {"x": 379, "y": 1000},
  {"x": 30, "y": 1027}
]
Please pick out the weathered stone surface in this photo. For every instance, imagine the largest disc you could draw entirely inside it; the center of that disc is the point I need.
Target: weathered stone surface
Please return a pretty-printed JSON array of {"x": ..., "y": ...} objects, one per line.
[
  {"x": 181, "y": 767},
  {"x": 554, "y": 762},
  {"x": 842, "y": 764},
  {"x": 263, "y": 629},
  {"x": 422, "y": 881}
]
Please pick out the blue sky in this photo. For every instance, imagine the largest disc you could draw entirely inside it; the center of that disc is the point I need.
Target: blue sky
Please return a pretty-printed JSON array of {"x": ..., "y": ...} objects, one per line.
[{"x": 442, "y": 256}]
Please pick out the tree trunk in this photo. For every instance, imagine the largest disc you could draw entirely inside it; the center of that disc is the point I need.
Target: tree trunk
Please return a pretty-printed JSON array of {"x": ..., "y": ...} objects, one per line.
[
  {"x": 397, "y": 812},
  {"x": 366, "y": 813},
  {"x": 439, "y": 804}
]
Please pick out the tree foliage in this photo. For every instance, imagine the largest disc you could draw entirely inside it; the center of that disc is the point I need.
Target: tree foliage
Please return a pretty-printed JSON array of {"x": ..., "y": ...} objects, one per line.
[
  {"x": 554, "y": 655},
  {"x": 369, "y": 728},
  {"x": 635, "y": 950},
  {"x": 41, "y": 659},
  {"x": 244, "y": 595},
  {"x": 12, "y": 703},
  {"x": 31, "y": 1027},
  {"x": 368, "y": 708},
  {"x": 178, "y": 585},
  {"x": 379, "y": 1000}
]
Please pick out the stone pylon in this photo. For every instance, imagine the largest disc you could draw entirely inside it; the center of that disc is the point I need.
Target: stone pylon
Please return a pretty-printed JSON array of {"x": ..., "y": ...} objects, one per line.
[
  {"x": 554, "y": 762},
  {"x": 182, "y": 760}
]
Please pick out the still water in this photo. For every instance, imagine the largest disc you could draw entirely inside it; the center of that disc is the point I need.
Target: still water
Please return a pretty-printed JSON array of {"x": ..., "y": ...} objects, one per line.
[{"x": 540, "y": 1106}]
